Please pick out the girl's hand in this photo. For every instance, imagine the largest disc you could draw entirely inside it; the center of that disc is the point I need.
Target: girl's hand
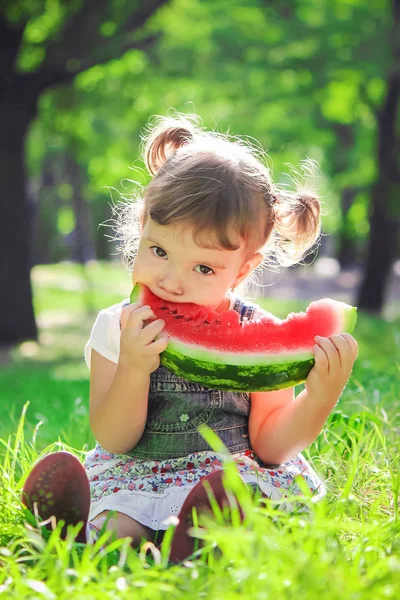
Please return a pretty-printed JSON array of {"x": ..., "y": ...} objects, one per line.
[
  {"x": 334, "y": 360},
  {"x": 141, "y": 343}
]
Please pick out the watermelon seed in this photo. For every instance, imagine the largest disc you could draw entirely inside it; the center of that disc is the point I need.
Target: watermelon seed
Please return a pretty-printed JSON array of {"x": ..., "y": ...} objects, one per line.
[
  {"x": 218, "y": 322},
  {"x": 173, "y": 312},
  {"x": 178, "y": 317},
  {"x": 163, "y": 307},
  {"x": 206, "y": 322}
]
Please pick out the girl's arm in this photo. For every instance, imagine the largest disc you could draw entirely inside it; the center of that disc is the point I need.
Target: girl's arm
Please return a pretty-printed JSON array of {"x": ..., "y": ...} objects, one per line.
[
  {"x": 281, "y": 426},
  {"x": 118, "y": 404},
  {"x": 119, "y": 394}
]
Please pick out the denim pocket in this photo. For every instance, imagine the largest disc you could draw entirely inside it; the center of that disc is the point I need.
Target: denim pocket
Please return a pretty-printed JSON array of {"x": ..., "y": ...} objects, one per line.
[{"x": 177, "y": 405}]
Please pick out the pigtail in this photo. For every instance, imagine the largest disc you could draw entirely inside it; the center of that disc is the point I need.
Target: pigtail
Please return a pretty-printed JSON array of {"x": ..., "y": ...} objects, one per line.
[
  {"x": 164, "y": 136},
  {"x": 296, "y": 218}
]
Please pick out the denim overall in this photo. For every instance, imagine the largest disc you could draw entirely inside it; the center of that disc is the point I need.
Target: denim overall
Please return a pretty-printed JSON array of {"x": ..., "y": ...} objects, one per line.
[{"x": 176, "y": 408}]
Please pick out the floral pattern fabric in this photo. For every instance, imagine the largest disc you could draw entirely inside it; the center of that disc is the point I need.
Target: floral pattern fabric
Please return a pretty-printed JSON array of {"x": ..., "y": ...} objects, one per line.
[{"x": 152, "y": 491}]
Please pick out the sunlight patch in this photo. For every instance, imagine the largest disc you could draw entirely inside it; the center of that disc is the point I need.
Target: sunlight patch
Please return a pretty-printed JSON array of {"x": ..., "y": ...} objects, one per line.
[{"x": 28, "y": 349}]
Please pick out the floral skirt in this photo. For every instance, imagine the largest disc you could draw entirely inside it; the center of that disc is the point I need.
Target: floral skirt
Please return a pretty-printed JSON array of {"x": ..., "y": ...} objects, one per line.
[{"x": 152, "y": 491}]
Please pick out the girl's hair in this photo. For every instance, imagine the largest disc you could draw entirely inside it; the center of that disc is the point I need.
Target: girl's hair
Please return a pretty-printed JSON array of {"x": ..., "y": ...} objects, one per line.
[{"x": 219, "y": 185}]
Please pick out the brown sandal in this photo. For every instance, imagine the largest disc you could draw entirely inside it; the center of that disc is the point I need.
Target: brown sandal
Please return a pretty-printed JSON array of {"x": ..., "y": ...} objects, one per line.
[
  {"x": 183, "y": 545},
  {"x": 58, "y": 486}
]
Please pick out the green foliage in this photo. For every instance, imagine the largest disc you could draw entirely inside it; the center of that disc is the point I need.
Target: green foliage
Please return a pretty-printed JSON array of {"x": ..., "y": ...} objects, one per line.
[
  {"x": 66, "y": 220},
  {"x": 301, "y": 81}
]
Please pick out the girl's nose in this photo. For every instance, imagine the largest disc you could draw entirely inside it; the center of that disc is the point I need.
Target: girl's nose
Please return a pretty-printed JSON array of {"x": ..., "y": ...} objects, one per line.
[{"x": 172, "y": 284}]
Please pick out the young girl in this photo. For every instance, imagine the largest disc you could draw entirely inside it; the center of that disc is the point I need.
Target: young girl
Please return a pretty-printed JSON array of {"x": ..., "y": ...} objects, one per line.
[{"x": 210, "y": 216}]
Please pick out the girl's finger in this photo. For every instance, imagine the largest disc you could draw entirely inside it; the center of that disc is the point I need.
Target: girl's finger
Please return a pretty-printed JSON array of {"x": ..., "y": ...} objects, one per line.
[
  {"x": 331, "y": 352},
  {"x": 137, "y": 318},
  {"x": 321, "y": 360},
  {"x": 126, "y": 312},
  {"x": 344, "y": 349},
  {"x": 149, "y": 332},
  {"x": 352, "y": 343},
  {"x": 159, "y": 345}
]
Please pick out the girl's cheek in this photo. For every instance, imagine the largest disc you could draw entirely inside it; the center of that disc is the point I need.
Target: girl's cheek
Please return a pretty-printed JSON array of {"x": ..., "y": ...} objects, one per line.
[{"x": 146, "y": 268}]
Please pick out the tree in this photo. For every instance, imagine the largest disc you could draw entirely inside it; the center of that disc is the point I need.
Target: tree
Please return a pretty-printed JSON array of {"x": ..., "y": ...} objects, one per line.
[
  {"x": 42, "y": 45},
  {"x": 385, "y": 211}
]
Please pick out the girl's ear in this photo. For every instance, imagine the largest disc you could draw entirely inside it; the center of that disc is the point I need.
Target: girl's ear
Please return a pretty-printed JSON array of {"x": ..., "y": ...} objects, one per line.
[{"x": 248, "y": 267}]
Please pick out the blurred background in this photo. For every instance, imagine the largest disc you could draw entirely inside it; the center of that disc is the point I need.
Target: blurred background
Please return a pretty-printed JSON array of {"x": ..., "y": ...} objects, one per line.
[{"x": 80, "y": 81}]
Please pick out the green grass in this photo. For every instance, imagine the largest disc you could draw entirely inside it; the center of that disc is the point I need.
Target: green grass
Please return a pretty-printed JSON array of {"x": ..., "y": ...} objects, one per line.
[{"x": 347, "y": 547}]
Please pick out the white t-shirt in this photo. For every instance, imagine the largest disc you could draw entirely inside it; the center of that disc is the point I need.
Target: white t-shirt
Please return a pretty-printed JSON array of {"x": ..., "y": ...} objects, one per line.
[{"x": 105, "y": 335}]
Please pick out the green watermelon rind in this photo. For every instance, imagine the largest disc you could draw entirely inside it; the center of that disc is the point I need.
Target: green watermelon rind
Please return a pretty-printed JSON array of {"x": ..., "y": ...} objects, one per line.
[
  {"x": 218, "y": 357},
  {"x": 349, "y": 319},
  {"x": 235, "y": 378}
]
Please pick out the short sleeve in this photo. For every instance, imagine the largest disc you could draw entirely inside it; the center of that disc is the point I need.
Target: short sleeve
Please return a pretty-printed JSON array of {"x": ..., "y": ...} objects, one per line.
[{"x": 105, "y": 335}]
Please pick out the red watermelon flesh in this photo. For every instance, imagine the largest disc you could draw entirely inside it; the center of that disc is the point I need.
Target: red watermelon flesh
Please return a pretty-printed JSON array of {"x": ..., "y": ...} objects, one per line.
[{"x": 224, "y": 332}]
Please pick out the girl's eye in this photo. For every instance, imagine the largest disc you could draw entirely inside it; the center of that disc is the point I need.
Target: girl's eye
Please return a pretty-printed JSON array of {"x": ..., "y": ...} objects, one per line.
[
  {"x": 156, "y": 249},
  {"x": 204, "y": 270}
]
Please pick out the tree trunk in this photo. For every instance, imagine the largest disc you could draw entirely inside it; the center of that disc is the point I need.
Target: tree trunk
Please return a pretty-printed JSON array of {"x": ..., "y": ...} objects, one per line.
[
  {"x": 385, "y": 215},
  {"x": 83, "y": 246},
  {"x": 17, "y": 321},
  {"x": 46, "y": 238},
  {"x": 381, "y": 254}
]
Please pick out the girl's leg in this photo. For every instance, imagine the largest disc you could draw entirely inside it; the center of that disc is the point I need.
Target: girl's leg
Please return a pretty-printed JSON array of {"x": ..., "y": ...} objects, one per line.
[
  {"x": 58, "y": 486},
  {"x": 123, "y": 526},
  {"x": 183, "y": 545}
]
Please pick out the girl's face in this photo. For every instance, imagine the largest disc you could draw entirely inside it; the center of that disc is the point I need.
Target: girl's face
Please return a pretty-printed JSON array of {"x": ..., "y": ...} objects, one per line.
[{"x": 175, "y": 268}]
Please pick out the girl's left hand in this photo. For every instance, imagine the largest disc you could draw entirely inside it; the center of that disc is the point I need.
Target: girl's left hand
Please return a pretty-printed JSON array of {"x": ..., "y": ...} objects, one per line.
[{"x": 334, "y": 360}]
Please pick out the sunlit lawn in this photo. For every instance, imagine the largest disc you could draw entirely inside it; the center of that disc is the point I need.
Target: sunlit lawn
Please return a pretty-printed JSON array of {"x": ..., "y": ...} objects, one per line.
[{"x": 347, "y": 548}]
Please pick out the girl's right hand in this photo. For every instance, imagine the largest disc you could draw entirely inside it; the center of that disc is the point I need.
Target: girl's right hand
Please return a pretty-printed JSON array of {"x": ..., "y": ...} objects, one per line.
[{"x": 138, "y": 347}]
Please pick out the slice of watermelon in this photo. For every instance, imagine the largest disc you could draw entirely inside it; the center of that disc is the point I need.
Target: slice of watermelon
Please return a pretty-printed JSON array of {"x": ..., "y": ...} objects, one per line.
[{"x": 219, "y": 351}]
